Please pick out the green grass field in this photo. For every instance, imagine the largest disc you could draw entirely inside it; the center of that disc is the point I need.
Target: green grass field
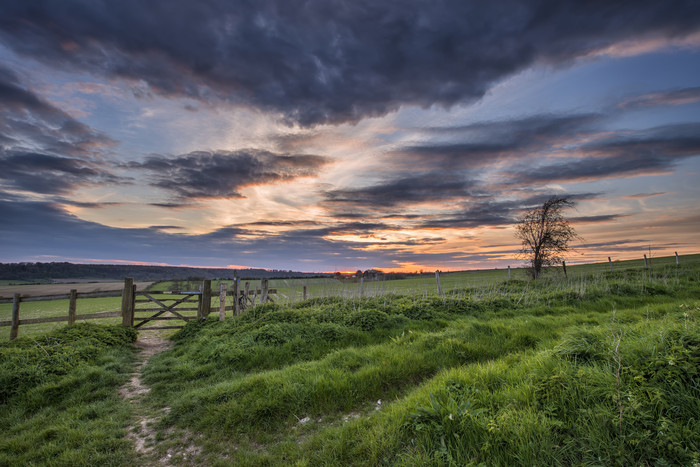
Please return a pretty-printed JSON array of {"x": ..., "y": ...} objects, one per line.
[
  {"x": 597, "y": 368},
  {"x": 291, "y": 290}
]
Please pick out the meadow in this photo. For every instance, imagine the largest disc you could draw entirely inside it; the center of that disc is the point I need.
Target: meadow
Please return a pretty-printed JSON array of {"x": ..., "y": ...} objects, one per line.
[{"x": 596, "y": 368}]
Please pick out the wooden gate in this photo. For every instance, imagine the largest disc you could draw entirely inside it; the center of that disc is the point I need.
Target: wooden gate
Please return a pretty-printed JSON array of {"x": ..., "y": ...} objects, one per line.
[
  {"x": 165, "y": 307},
  {"x": 159, "y": 308}
]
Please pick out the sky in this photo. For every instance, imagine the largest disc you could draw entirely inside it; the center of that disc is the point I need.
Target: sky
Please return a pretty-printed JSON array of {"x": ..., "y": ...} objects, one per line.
[{"x": 342, "y": 135}]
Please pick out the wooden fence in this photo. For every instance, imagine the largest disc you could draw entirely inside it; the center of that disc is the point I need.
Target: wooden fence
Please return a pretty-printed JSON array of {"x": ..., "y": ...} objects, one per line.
[{"x": 158, "y": 307}]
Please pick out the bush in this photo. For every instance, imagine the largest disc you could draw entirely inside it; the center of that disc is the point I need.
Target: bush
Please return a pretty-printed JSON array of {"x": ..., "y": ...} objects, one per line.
[{"x": 367, "y": 320}]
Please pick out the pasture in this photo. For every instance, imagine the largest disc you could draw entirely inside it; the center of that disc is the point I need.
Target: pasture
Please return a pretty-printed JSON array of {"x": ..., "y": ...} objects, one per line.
[{"x": 595, "y": 368}]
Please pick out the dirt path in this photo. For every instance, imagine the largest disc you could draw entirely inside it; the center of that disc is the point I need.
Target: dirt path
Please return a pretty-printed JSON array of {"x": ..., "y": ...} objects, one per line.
[{"x": 143, "y": 432}]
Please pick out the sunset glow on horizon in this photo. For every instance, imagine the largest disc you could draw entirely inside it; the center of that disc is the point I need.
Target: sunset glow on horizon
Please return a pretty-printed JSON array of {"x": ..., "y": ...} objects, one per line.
[{"x": 337, "y": 136}]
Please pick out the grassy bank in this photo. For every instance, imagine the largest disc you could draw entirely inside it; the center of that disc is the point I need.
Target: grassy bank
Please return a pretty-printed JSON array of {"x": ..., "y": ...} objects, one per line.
[{"x": 58, "y": 397}]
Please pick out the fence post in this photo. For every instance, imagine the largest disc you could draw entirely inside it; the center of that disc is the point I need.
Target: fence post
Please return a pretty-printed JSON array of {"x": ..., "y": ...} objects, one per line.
[
  {"x": 263, "y": 290},
  {"x": 645, "y": 262},
  {"x": 563, "y": 264},
  {"x": 205, "y": 304},
  {"x": 128, "y": 303},
  {"x": 611, "y": 266},
  {"x": 245, "y": 296},
  {"x": 437, "y": 279},
  {"x": 222, "y": 301},
  {"x": 304, "y": 295},
  {"x": 362, "y": 283},
  {"x": 236, "y": 297},
  {"x": 72, "y": 306},
  {"x": 14, "y": 330},
  {"x": 677, "y": 262}
]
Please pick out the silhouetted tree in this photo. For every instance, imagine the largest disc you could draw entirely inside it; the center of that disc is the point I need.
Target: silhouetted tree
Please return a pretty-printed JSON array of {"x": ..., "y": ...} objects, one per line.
[{"x": 545, "y": 234}]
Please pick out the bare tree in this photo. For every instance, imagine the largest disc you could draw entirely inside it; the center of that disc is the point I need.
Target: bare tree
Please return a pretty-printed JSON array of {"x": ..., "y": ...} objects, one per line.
[{"x": 545, "y": 234}]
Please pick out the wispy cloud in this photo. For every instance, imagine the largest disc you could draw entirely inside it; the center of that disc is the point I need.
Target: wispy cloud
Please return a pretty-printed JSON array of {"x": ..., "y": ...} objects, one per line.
[
  {"x": 27, "y": 119},
  {"x": 655, "y": 99},
  {"x": 42, "y": 148}
]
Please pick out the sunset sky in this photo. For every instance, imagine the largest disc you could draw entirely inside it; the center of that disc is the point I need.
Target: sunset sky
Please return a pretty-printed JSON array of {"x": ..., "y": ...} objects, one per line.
[{"x": 344, "y": 135}]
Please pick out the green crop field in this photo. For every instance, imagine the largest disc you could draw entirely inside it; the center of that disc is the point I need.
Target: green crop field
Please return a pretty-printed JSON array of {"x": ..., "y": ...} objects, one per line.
[{"x": 595, "y": 368}]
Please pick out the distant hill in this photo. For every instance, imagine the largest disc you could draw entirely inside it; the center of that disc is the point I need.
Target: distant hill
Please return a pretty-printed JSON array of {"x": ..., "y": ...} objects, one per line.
[{"x": 45, "y": 271}]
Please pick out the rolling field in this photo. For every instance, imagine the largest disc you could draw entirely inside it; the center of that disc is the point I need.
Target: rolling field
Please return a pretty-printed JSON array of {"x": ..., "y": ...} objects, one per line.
[{"x": 593, "y": 369}]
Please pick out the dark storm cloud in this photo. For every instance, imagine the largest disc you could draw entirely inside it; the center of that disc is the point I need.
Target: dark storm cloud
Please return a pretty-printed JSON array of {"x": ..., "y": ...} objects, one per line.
[
  {"x": 489, "y": 211},
  {"x": 623, "y": 154},
  {"x": 43, "y": 173},
  {"x": 424, "y": 187},
  {"x": 596, "y": 219},
  {"x": 173, "y": 206},
  {"x": 488, "y": 142},
  {"x": 86, "y": 204},
  {"x": 671, "y": 97},
  {"x": 328, "y": 61},
  {"x": 222, "y": 174}
]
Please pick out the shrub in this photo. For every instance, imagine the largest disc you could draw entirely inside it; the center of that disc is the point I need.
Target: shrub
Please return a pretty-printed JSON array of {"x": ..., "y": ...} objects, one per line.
[{"x": 367, "y": 320}]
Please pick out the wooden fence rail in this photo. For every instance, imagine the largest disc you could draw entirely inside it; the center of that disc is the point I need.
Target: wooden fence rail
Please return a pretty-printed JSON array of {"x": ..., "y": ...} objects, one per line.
[{"x": 70, "y": 317}]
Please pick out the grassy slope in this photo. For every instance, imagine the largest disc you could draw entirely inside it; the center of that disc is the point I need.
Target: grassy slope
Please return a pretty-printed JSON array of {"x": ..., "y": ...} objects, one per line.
[
  {"x": 593, "y": 369},
  {"x": 58, "y": 397}
]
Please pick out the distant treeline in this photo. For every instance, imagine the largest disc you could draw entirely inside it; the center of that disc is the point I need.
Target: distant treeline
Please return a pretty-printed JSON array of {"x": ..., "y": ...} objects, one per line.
[{"x": 44, "y": 271}]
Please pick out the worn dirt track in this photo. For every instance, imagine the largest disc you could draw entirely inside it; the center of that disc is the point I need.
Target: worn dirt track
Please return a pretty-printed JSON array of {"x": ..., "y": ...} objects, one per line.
[{"x": 141, "y": 433}]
